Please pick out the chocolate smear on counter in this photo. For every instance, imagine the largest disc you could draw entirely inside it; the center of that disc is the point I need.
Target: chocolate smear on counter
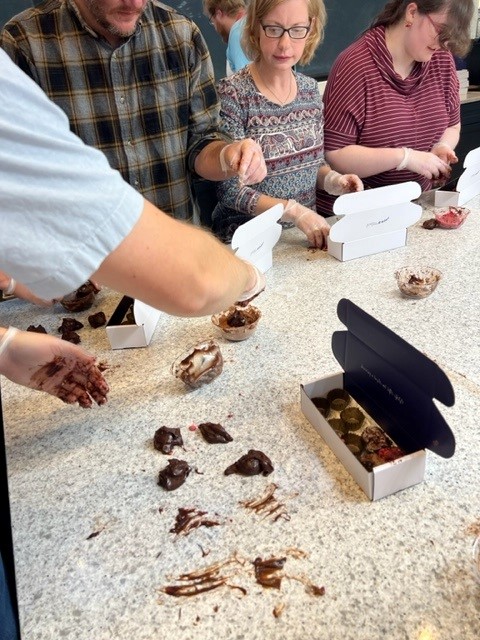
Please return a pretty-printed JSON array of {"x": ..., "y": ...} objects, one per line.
[
  {"x": 269, "y": 573},
  {"x": 214, "y": 433},
  {"x": 166, "y": 438},
  {"x": 173, "y": 475},
  {"x": 189, "y": 519},
  {"x": 251, "y": 464},
  {"x": 268, "y": 505}
]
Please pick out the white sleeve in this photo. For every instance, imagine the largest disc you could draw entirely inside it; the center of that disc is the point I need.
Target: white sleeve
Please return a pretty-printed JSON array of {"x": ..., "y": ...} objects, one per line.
[{"x": 63, "y": 209}]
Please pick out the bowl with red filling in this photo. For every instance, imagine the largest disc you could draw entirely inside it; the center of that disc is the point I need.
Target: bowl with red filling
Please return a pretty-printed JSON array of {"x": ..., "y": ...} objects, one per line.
[{"x": 451, "y": 217}]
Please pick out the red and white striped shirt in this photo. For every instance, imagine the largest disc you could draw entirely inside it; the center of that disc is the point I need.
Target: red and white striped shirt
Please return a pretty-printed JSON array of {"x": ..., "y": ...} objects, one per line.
[{"x": 367, "y": 103}]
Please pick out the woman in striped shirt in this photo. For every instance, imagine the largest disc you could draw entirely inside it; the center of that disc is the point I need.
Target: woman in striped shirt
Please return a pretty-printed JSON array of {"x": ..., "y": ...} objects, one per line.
[{"x": 392, "y": 107}]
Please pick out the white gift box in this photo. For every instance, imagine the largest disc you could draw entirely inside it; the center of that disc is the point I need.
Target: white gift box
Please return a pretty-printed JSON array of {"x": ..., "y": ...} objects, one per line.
[{"x": 373, "y": 220}]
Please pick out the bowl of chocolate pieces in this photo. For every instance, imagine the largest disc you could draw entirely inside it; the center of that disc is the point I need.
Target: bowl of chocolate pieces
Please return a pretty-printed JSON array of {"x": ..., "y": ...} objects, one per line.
[
  {"x": 417, "y": 282},
  {"x": 81, "y": 299},
  {"x": 237, "y": 323}
]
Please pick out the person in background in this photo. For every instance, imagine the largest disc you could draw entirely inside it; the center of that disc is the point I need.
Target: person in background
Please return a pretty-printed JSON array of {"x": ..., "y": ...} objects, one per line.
[
  {"x": 228, "y": 19},
  {"x": 392, "y": 107},
  {"x": 48, "y": 175},
  {"x": 136, "y": 81},
  {"x": 282, "y": 110}
]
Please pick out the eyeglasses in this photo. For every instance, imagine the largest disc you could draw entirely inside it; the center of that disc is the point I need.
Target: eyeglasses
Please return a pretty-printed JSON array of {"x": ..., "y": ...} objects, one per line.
[
  {"x": 442, "y": 31},
  {"x": 296, "y": 33},
  {"x": 438, "y": 27}
]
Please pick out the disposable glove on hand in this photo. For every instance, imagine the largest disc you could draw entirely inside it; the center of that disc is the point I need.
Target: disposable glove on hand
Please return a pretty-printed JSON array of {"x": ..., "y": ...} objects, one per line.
[
  {"x": 253, "y": 292},
  {"x": 337, "y": 184},
  {"x": 425, "y": 163},
  {"x": 313, "y": 225},
  {"x": 55, "y": 366}
]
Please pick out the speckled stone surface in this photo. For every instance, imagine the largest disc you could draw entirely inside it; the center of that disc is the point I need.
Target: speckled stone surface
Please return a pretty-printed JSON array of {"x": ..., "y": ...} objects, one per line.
[{"x": 397, "y": 569}]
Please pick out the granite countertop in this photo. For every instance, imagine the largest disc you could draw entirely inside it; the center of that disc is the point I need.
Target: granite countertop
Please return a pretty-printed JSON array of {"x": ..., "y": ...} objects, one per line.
[{"x": 92, "y": 529}]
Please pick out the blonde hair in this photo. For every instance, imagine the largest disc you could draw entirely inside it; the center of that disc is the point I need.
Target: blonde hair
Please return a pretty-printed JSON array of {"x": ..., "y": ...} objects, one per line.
[{"x": 258, "y": 9}]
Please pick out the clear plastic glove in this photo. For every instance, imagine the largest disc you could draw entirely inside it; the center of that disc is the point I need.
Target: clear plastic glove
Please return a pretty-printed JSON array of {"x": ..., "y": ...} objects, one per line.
[
  {"x": 313, "y": 225},
  {"x": 337, "y": 184},
  {"x": 10, "y": 286},
  {"x": 58, "y": 367},
  {"x": 425, "y": 163},
  {"x": 254, "y": 291},
  {"x": 245, "y": 158},
  {"x": 445, "y": 152}
]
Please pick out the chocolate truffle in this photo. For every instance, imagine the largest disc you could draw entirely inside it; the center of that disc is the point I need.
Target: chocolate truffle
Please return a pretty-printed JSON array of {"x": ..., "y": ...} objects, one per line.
[
  {"x": 166, "y": 438},
  {"x": 174, "y": 474},
  {"x": 251, "y": 464}
]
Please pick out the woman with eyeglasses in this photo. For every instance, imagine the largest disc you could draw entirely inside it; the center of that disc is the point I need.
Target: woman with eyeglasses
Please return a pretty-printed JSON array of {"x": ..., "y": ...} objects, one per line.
[
  {"x": 282, "y": 110},
  {"x": 392, "y": 106}
]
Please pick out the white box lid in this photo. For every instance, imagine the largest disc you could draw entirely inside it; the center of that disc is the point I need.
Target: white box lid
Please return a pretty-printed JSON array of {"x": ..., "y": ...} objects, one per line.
[{"x": 376, "y": 211}]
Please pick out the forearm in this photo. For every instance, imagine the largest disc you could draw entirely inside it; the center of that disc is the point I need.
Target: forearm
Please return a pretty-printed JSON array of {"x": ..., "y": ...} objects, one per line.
[
  {"x": 175, "y": 267},
  {"x": 450, "y": 136},
  {"x": 207, "y": 163},
  {"x": 364, "y": 161}
]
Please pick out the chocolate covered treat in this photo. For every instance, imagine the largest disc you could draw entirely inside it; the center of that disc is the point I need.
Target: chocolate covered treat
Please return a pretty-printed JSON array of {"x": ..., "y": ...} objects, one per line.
[
  {"x": 214, "y": 433},
  {"x": 81, "y": 299},
  {"x": 71, "y": 336},
  {"x": 251, "y": 464},
  {"x": 166, "y": 438},
  {"x": 97, "y": 320},
  {"x": 174, "y": 474},
  {"x": 37, "y": 329},
  {"x": 201, "y": 364},
  {"x": 374, "y": 439},
  {"x": 69, "y": 324}
]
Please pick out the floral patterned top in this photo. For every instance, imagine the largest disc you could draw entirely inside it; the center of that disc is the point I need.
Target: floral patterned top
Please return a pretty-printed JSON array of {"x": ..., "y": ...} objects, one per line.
[{"x": 291, "y": 137}]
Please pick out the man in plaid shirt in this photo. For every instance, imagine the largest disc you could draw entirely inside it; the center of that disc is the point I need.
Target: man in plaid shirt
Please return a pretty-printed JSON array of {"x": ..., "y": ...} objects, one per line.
[{"x": 136, "y": 81}]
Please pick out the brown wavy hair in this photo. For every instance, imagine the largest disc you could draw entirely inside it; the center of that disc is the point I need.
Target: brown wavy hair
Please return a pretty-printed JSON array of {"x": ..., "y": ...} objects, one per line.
[
  {"x": 258, "y": 9},
  {"x": 454, "y": 37}
]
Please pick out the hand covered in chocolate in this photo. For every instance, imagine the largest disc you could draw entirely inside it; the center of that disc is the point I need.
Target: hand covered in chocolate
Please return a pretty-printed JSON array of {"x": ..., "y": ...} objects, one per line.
[{"x": 45, "y": 363}]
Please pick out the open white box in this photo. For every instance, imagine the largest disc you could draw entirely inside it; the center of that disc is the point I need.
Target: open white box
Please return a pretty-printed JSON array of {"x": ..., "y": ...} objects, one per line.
[
  {"x": 395, "y": 385},
  {"x": 254, "y": 240},
  {"x": 458, "y": 192},
  {"x": 127, "y": 336},
  {"x": 374, "y": 220}
]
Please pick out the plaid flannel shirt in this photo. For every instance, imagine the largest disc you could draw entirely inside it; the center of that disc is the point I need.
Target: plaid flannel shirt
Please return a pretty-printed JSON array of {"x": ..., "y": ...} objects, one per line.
[{"x": 149, "y": 104}]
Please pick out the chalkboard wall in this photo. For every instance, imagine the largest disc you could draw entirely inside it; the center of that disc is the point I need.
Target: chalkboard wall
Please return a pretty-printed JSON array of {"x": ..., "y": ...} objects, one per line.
[{"x": 346, "y": 20}]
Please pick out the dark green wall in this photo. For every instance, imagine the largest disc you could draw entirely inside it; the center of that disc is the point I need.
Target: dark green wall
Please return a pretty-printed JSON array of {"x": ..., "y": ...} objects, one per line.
[{"x": 346, "y": 20}]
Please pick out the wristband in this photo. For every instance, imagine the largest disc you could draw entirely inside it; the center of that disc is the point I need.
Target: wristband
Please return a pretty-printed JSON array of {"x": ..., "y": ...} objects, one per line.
[
  {"x": 329, "y": 183},
  {"x": 406, "y": 156},
  {"x": 7, "y": 337},
  {"x": 10, "y": 288},
  {"x": 223, "y": 165},
  {"x": 258, "y": 286}
]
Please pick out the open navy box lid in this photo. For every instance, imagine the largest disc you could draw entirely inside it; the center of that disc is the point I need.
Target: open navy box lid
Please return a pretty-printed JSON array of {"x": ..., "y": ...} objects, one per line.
[{"x": 393, "y": 382}]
